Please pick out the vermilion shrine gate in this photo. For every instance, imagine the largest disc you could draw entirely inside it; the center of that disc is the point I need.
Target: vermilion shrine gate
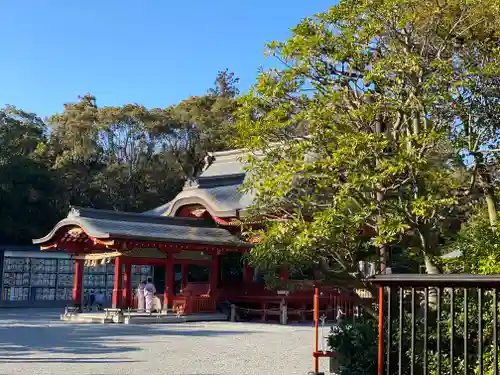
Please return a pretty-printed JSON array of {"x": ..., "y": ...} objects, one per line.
[{"x": 193, "y": 242}]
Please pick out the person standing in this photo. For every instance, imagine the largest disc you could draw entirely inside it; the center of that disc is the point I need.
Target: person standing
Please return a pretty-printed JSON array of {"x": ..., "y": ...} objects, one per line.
[
  {"x": 140, "y": 296},
  {"x": 149, "y": 292},
  {"x": 100, "y": 299}
]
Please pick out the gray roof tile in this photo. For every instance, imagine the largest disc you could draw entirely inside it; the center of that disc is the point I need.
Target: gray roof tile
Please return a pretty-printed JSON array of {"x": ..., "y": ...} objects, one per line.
[
  {"x": 218, "y": 188},
  {"x": 110, "y": 224}
]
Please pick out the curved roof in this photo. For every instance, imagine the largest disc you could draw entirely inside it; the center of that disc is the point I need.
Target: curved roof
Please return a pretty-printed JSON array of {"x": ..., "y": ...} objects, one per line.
[
  {"x": 218, "y": 189},
  {"x": 221, "y": 196},
  {"x": 103, "y": 224}
]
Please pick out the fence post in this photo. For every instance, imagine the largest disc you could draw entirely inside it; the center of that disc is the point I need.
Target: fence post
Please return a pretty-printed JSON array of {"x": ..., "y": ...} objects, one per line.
[
  {"x": 233, "y": 312},
  {"x": 381, "y": 330},
  {"x": 316, "y": 324},
  {"x": 284, "y": 312}
]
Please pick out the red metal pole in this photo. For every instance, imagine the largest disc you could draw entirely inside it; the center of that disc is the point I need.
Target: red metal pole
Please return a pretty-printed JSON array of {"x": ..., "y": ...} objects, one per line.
[
  {"x": 316, "y": 326},
  {"x": 381, "y": 331}
]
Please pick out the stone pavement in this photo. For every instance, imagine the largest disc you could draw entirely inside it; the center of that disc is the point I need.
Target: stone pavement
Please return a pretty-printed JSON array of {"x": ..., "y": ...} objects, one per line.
[{"x": 36, "y": 342}]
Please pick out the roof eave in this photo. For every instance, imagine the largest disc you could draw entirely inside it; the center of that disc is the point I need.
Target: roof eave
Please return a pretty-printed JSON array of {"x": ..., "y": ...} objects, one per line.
[
  {"x": 74, "y": 221},
  {"x": 179, "y": 241},
  {"x": 69, "y": 222}
]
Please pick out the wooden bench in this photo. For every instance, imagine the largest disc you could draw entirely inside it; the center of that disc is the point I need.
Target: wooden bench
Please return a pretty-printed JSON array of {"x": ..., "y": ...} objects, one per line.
[
  {"x": 70, "y": 310},
  {"x": 113, "y": 312},
  {"x": 195, "y": 298}
]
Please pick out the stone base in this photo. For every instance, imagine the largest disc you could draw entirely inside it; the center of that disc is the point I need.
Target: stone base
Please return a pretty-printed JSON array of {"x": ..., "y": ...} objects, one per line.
[
  {"x": 141, "y": 318},
  {"x": 174, "y": 318},
  {"x": 86, "y": 318}
]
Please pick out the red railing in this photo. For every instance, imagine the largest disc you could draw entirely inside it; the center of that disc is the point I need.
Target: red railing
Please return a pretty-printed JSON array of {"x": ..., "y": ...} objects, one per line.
[
  {"x": 299, "y": 305},
  {"x": 194, "y": 304},
  {"x": 204, "y": 304}
]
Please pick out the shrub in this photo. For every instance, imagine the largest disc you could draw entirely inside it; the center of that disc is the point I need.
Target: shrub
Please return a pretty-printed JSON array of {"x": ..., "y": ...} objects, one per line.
[{"x": 355, "y": 342}]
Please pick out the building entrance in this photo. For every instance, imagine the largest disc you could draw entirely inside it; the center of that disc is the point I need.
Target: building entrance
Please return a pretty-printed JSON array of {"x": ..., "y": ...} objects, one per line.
[{"x": 159, "y": 279}]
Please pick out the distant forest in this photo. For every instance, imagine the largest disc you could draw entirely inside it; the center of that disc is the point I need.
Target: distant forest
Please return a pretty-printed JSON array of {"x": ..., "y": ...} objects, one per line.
[{"x": 127, "y": 158}]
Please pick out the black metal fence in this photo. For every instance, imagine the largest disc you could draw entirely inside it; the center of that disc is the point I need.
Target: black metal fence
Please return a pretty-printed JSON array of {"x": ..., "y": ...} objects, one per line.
[{"x": 438, "y": 324}]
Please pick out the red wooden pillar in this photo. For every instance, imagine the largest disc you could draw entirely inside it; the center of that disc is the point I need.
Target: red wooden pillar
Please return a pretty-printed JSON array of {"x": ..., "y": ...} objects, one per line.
[
  {"x": 248, "y": 273},
  {"x": 168, "y": 293},
  {"x": 284, "y": 273},
  {"x": 78, "y": 282},
  {"x": 185, "y": 274},
  {"x": 214, "y": 273},
  {"x": 117, "y": 288},
  {"x": 127, "y": 284}
]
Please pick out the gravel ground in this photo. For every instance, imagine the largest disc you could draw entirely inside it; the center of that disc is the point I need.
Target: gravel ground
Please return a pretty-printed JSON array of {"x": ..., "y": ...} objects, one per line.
[{"x": 36, "y": 342}]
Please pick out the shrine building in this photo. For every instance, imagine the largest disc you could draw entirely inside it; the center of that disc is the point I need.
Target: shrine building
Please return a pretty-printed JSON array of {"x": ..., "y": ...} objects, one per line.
[{"x": 191, "y": 247}]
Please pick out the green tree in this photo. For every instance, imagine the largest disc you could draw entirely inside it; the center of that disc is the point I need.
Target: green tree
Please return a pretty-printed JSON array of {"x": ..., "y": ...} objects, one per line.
[
  {"x": 357, "y": 132},
  {"x": 74, "y": 152},
  {"x": 475, "y": 105},
  {"x": 28, "y": 189},
  {"x": 132, "y": 158},
  {"x": 201, "y": 124},
  {"x": 107, "y": 157}
]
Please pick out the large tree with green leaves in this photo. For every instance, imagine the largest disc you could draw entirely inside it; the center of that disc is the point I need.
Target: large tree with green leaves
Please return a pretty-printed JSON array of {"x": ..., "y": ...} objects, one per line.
[
  {"x": 110, "y": 157},
  {"x": 201, "y": 124},
  {"x": 132, "y": 158},
  {"x": 360, "y": 135},
  {"x": 28, "y": 188}
]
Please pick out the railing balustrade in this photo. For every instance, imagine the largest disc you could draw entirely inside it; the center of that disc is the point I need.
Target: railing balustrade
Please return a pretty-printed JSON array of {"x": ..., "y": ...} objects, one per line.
[
  {"x": 438, "y": 324},
  {"x": 204, "y": 304}
]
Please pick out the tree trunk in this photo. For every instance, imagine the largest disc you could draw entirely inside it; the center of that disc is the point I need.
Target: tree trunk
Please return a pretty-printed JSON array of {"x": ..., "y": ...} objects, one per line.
[
  {"x": 492, "y": 209},
  {"x": 353, "y": 283},
  {"x": 432, "y": 269},
  {"x": 383, "y": 250},
  {"x": 488, "y": 191}
]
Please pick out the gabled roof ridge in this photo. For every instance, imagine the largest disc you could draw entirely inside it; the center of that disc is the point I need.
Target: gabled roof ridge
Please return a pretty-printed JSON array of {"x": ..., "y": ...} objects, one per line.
[
  {"x": 220, "y": 180},
  {"x": 226, "y": 153},
  {"x": 93, "y": 213}
]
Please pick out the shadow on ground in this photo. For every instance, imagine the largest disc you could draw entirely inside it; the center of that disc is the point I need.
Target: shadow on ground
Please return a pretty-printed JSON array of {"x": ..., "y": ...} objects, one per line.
[
  {"x": 29, "y": 332},
  {"x": 63, "y": 360}
]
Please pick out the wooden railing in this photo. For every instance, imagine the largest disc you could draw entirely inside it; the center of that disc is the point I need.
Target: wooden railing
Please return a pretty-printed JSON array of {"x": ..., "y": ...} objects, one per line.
[
  {"x": 194, "y": 304},
  {"x": 300, "y": 306},
  {"x": 204, "y": 304}
]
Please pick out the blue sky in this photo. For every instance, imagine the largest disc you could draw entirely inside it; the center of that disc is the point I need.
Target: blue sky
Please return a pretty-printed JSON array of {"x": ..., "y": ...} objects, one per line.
[{"x": 152, "y": 52}]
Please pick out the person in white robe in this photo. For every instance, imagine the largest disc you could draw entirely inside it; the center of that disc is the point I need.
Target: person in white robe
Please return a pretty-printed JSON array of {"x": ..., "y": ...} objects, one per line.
[
  {"x": 156, "y": 304},
  {"x": 149, "y": 292},
  {"x": 140, "y": 296}
]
